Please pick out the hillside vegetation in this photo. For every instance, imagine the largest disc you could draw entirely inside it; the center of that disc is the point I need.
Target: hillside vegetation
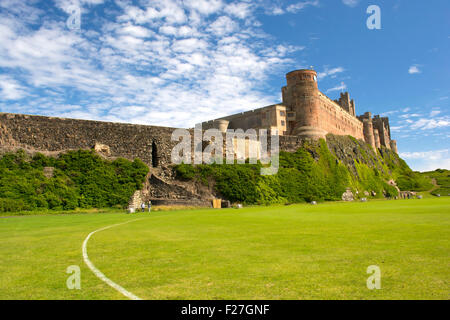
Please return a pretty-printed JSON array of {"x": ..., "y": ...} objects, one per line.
[
  {"x": 442, "y": 178},
  {"x": 318, "y": 171},
  {"x": 77, "y": 179}
]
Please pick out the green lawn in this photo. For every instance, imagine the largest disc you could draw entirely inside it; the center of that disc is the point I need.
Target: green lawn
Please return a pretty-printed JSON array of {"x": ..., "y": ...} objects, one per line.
[{"x": 285, "y": 252}]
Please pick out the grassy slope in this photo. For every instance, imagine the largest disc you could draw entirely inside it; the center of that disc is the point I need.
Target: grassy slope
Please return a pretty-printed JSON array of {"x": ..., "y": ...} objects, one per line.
[
  {"x": 293, "y": 252},
  {"x": 442, "y": 179}
]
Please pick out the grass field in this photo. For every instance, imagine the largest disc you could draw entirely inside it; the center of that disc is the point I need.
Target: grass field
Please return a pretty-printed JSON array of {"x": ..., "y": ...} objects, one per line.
[{"x": 285, "y": 252}]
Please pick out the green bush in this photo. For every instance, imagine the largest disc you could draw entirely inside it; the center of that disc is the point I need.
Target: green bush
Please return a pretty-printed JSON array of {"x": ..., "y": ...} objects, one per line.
[{"x": 81, "y": 179}]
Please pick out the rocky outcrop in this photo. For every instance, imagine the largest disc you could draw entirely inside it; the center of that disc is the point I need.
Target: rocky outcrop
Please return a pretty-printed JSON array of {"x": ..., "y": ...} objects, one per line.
[{"x": 348, "y": 195}]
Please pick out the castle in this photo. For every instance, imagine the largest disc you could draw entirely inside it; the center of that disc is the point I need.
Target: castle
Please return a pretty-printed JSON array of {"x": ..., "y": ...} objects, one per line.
[
  {"x": 305, "y": 113},
  {"x": 308, "y": 113}
]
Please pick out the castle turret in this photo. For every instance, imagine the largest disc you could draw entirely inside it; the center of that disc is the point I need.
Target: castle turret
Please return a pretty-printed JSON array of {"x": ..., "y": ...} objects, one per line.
[
  {"x": 222, "y": 125},
  {"x": 376, "y": 136},
  {"x": 352, "y": 108},
  {"x": 369, "y": 137},
  {"x": 347, "y": 104},
  {"x": 301, "y": 95}
]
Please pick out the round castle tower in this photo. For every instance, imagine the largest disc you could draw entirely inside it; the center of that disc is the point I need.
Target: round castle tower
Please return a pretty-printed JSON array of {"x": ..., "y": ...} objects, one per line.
[{"x": 301, "y": 95}]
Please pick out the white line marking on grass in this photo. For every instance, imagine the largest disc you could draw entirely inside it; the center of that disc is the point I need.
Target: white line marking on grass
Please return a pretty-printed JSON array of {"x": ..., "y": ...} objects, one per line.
[{"x": 97, "y": 272}]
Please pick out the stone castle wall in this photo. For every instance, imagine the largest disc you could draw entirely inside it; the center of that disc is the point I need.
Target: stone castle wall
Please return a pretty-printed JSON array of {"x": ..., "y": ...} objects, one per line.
[
  {"x": 335, "y": 120},
  {"x": 151, "y": 144}
]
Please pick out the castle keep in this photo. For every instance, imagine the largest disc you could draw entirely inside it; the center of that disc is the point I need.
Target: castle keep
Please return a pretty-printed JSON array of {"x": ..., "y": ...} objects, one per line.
[{"x": 308, "y": 113}]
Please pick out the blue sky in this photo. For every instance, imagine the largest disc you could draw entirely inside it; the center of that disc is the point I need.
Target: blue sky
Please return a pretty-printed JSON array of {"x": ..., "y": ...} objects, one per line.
[{"x": 176, "y": 63}]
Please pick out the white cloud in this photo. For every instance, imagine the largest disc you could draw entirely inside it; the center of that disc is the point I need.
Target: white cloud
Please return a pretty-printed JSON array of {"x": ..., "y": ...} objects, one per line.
[
  {"x": 274, "y": 10},
  {"x": 240, "y": 10},
  {"x": 434, "y": 113},
  {"x": 410, "y": 115},
  {"x": 168, "y": 10},
  {"x": 387, "y": 113},
  {"x": 135, "y": 31},
  {"x": 189, "y": 45},
  {"x": 429, "y": 155},
  {"x": 222, "y": 26},
  {"x": 428, "y": 160},
  {"x": 430, "y": 124},
  {"x": 397, "y": 128},
  {"x": 10, "y": 89},
  {"x": 341, "y": 87},
  {"x": 414, "y": 69},
  {"x": 350, "y": 3},
  {"x": 330, "y": 72},
  {"x": 205, "y": 7},
  {"x": 294, "y": 8}
]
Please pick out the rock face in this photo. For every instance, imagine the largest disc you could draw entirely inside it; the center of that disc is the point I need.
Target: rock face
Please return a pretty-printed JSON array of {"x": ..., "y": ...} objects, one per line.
[
  {"x": 348, "y": 195},
  {"x": 136, "y": 201},
  {"x": 103, "y": 149},
  {"x": 349, "y": 150}
]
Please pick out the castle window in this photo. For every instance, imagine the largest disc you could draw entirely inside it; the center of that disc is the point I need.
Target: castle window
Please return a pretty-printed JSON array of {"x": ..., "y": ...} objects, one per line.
[
  {"x": 283, "y": 123},
  {"x": 282, "y": 113}
]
